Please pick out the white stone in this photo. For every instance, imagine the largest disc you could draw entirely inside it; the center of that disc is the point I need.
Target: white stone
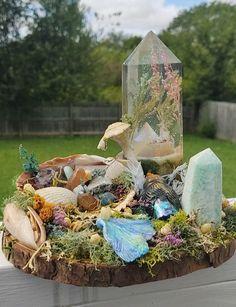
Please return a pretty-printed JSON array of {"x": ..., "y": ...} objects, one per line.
[
  {"x": 203, "y": 187},
  {"x": 68, "y": 172}
]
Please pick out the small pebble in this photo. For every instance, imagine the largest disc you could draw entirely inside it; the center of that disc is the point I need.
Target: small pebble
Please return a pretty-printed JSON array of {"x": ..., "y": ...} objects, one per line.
[
  {"x": 105, "y": 213},
  {"x": 165, "y": 230},
  {"x": 107, "y": 198},
  {"x": 206, "y": 228},
  {"x": 95, "y": 239},
  {"x": 68, "y": 171}
]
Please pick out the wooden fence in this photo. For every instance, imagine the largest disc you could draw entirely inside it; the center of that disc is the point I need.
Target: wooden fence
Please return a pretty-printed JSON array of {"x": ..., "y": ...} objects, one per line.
[
  {"x": 71, "y": 120},
  {"x": 223, "y": 116}
]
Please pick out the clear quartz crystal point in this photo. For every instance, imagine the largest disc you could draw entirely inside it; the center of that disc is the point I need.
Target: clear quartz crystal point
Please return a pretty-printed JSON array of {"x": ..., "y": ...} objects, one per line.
[{"x": 152, "y": 103}]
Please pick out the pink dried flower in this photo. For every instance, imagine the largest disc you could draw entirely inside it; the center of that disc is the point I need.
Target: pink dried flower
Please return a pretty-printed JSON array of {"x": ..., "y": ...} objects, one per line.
[
  {"x": 172, "y": 81},
  {"x": 59, "y": 216},
  {"x": 155, "y": 79},
  {"x": 172, "y": 239}
]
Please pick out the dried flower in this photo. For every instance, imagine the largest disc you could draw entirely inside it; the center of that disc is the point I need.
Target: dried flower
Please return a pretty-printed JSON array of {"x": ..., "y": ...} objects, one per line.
[
  {"x": 38, "y": 202},
  {"x": 174, "y": 239},
  {"x": 59, "y": 216},
  {"x": 46, "y": 212}
]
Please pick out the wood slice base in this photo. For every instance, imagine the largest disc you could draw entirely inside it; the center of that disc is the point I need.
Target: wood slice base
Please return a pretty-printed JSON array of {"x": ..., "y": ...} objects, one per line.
[{"x": 88, "y": 275}]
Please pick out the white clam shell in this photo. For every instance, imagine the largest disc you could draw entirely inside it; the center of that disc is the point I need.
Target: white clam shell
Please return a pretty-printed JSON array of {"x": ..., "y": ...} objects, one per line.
[
  {"x": 57, "y": 195},
  {"x": 19, "y": 226}
]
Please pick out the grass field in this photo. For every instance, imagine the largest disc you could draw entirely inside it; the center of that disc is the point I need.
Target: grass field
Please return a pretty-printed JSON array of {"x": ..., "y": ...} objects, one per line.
[{"x": 48, "y": 147}]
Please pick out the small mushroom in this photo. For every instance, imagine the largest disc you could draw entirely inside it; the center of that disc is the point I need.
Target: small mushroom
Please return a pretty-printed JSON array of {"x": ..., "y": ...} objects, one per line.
[{"x": 120, "y": 133}]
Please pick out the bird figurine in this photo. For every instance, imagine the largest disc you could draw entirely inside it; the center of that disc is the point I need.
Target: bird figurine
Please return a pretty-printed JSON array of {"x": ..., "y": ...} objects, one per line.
[{"x": 155, "y": 189}]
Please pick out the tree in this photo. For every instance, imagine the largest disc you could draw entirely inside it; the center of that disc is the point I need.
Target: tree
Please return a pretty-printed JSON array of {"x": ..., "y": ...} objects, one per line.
[
  {"x": 52, "y": 62},
  {"x": 204, "y": 38},
  {"x": 110, "y": 53}
]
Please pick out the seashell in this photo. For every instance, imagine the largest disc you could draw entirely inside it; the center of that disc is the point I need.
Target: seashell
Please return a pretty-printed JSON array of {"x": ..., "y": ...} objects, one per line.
[
  {"x": 88, "y": 202},
  {"x": 114, "y": 169},
  {"x": 68, "y": 171},
  {"x": 105, "y": 213},
  {"x": 155, "y": 188},
  {"x": 79, "y": 176},
  {"x": 57, "y": 195},
  {"x": 90, "y": 161},
  {"x": 27, "y": 230},
  {"x": 95, "y": 239},
  {"x": 165, "y": 230},
  {"x": 99, "y": 182},
  {"x": 107, "y": 198},
  {"x": 206, "y": 228}
]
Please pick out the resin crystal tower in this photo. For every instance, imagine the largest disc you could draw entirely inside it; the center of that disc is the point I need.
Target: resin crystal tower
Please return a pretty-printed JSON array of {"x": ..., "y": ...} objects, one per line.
[{"x": 152, "y": 103}]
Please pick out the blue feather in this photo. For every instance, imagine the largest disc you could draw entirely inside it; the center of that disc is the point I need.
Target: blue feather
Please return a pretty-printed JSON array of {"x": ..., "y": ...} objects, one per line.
[{"x": 127, "y": 237}]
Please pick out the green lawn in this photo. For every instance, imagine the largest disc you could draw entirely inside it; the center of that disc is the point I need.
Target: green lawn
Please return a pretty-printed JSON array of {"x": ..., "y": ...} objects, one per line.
[{"x": 48, "y": 147}]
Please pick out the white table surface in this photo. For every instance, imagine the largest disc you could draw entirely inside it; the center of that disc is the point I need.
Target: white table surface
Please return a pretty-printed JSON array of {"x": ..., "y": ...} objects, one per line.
[{"x": 205, "y": 288}]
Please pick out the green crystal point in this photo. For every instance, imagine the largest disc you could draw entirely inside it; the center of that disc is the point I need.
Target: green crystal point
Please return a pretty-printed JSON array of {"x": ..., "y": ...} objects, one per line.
[{"x": 203, "y": 187}]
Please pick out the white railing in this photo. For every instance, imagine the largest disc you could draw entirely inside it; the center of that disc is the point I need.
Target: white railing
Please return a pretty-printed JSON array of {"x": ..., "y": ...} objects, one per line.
[{"x": 208, "y": 288}]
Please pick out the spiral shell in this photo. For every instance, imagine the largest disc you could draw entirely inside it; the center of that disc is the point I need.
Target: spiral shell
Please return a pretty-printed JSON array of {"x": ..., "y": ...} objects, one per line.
[{"x": 57, "y": 195}]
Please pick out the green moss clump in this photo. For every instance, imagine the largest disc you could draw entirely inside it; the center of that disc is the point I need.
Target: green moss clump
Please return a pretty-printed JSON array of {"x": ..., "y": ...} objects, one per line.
[
  {"x": 158, "y": 224},
  {"x": 77, "y": 245},
  {"x": 125, "y": 180},
  {"x": 230, "y": 221},
  {"x": 20, "y": 199}
]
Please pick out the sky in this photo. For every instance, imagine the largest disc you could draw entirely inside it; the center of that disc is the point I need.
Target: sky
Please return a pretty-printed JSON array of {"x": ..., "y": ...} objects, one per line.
[{"x": 137, "y": 16}]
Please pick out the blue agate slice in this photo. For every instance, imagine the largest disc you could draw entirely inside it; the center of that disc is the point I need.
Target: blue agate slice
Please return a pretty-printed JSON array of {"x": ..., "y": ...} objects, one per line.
[
  {"x": 163, "y": 209},
  {"x": 127, "y": 237}
]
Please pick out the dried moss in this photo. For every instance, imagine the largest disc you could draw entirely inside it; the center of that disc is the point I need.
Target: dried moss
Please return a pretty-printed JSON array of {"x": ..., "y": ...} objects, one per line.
[
  {"x": 76, "y": 245},
  {"x": 125, "y": 180},
  {"x": 20, "y": 199}
]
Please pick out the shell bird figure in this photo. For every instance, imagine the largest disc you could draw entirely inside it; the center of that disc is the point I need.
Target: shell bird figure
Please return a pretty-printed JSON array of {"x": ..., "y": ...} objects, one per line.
[
  {"x": 155, "y": 188},
  {"x": 127, "y": 237}
]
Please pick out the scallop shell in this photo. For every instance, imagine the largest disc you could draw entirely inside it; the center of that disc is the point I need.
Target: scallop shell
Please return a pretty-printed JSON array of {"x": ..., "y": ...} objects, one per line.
[
  {"x": 57, "y": 195},
  {"x": 28, "y": 230}
]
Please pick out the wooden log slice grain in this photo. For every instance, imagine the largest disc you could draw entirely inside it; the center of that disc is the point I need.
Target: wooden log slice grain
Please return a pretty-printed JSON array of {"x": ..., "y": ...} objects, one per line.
[{"x": 88, "y": 275}]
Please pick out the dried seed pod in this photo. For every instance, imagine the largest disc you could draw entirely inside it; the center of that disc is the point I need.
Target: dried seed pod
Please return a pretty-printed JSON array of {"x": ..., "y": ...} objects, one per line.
[
  {"x": 76, "y": 226},
  {"x": 95, "y": 239},
  {"x": 206, "y": 228}
]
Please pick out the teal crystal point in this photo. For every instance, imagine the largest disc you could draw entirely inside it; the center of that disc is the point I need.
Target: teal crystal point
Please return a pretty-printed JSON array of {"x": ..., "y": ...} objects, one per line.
[{"x": 203, "y": 188}]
